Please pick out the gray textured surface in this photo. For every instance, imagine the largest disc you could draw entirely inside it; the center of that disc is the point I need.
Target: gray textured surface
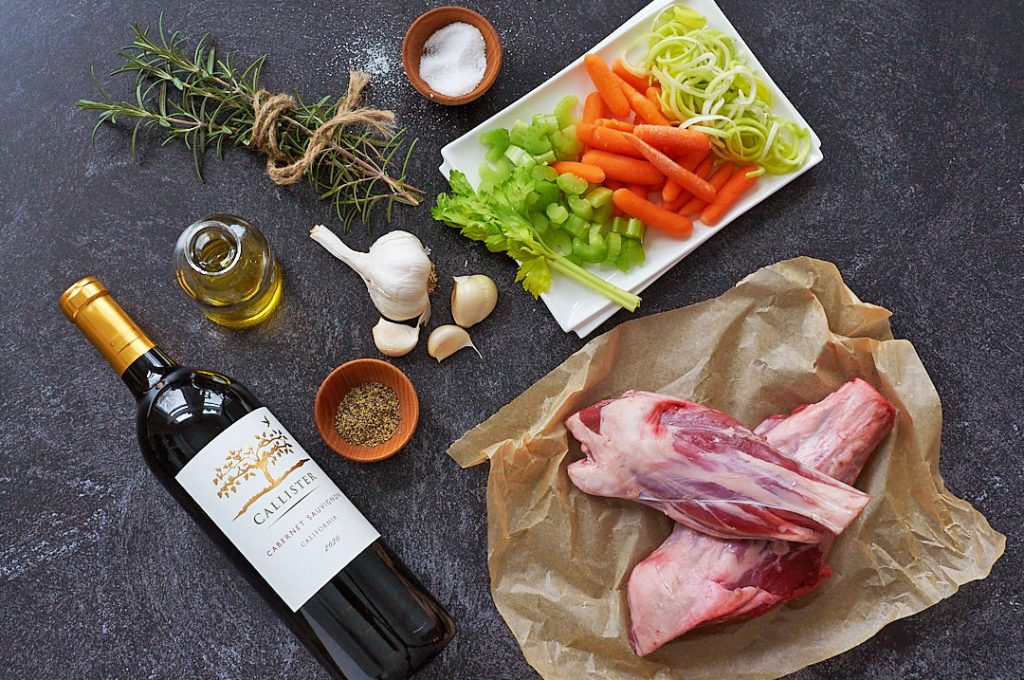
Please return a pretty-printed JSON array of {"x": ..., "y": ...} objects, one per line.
[{"x": 919, "y": 201}]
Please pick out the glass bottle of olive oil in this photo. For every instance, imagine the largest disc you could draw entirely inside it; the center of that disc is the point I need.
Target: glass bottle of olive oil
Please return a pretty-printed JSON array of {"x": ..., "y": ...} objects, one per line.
[{"x": 226, "y": 265}]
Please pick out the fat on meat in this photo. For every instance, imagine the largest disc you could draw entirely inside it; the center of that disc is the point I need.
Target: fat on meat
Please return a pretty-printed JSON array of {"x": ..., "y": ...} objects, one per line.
[{"x": 704, "y": 469}]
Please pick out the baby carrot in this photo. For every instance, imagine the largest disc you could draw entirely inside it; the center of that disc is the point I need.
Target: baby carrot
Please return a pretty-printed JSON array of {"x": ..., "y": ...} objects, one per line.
[
  {"x": 675, "y": 205},
  {"x": 623, "y": 168},
  {"x": 737, "y": 185},
  {"x": 591, "y": 173},
  {"x": 640, "y": 190},
  {"x": 692, "y": 159},
  {"x": 693, "y": 183},
  {"x": 678, "y": 196},
  {"x": 620, "y": 69},
  {"x": 670, "y": 191},
  {"x": 671, "y": 139},
  {"x": 594, "y": 108},
  {"x": 614, "y": 184},
  {"x": 654, "y": 94},
  {"x": 695, "y": 205},
  {"x": 643, "y": 106},
  {"x": 606, "y": 139},
  {"x": 607, "y": 84},
  {"x": 703, "y": 170},
  {"x": 614, "y": 124},
  {"x": 659, "y": 218}
]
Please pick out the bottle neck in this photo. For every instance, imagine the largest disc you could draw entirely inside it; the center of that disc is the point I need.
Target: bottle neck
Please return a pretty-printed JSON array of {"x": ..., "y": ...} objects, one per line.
[
  {"x": 147, "y": 371},
  {"x": 89, "y": 305}
]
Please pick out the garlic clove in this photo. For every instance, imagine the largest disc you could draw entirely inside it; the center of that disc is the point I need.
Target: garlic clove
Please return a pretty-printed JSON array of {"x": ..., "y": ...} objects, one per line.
[
  {"x": 395, "y": 339},
  {"x": 473, "y": 299},
  {"x": 445, "y": 341},
  {"x": 425, "y": 316}
]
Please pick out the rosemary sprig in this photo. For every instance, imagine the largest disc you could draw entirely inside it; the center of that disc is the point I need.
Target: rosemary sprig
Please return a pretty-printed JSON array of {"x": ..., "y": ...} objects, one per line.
[{"x": 204, "y": 101}]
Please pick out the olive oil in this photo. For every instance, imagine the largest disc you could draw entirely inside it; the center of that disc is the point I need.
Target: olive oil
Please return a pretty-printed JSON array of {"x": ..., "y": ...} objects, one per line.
[{"x": 226, "y": 265}]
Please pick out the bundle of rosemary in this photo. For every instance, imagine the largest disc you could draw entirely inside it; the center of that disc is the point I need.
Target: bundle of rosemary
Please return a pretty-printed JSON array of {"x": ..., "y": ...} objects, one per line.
[{"x": 347, "y": 152}]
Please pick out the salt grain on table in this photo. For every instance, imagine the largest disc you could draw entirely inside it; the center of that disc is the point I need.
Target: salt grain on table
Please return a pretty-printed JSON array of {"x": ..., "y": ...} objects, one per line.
[{"x": 454, "y": 59}]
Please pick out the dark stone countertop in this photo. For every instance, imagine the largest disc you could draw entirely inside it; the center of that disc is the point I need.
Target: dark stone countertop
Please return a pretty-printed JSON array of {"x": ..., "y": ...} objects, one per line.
[{"x": 919, "y": 201}]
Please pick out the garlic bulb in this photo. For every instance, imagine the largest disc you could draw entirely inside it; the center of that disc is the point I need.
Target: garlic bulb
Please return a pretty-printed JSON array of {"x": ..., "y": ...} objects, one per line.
[
  {"x": 473, "y": 299},
  {"x": 397, "y": 272},
  {"x": 445, "y": 341},
  {"x": 395, "y": 339}
]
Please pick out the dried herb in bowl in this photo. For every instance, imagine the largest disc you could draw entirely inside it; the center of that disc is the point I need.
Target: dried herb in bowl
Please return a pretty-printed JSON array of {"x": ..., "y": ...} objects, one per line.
[
  {"x": 368, "y": 415},
  {"x": 352, "y": 155}
]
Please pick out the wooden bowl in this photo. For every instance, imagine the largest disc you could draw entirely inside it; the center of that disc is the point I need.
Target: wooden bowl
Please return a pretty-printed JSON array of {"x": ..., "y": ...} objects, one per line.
[
  {"x": 352, "y": 374},
  {"x": 425, "y": 26}
]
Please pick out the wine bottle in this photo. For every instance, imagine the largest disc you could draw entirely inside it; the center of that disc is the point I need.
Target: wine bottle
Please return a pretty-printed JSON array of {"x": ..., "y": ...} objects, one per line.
[{"x": 268, "y": 506}]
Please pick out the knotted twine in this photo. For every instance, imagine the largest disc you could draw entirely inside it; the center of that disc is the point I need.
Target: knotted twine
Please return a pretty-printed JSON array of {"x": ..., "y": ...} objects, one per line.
[{"x": 267, "y": 108}]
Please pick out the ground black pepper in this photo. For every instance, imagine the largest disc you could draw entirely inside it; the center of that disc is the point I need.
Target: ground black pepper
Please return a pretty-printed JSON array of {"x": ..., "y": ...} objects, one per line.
[{"x": 368, "y": 415}]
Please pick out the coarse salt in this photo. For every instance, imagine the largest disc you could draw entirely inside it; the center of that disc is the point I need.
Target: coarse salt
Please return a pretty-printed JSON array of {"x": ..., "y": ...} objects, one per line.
[{"x": 454, "y": 59}]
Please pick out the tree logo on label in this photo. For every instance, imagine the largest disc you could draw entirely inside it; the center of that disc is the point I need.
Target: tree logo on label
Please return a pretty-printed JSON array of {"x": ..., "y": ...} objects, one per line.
[{"x": 256, "y": 462}]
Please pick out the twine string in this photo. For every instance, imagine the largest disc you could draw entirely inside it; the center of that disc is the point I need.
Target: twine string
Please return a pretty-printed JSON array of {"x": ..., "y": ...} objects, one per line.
[{"x": 267, "y": 109}]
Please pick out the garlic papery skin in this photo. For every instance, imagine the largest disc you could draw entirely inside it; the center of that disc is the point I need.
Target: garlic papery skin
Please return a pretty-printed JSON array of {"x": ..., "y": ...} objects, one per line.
[
  {"x": 445, "y": 341},
  {"x": 395, "y": 339},
  {"x": 397, "y": 272},
  {"x": 473, "y": 299}
]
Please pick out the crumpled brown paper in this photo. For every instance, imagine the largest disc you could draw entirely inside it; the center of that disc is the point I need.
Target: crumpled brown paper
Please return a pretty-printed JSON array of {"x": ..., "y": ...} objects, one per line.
[{"x": 786, "y": 335}]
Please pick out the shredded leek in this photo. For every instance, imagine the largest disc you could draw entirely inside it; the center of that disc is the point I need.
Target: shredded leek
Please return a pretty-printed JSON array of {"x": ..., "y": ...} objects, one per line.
[{"x": 707, "y": 85}]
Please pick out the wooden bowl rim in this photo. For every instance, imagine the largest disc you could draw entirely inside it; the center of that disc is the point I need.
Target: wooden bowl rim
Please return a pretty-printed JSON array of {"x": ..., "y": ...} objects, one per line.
[
  {"x": 366, "y": 454},
  {"x": 491, "y": 39}
]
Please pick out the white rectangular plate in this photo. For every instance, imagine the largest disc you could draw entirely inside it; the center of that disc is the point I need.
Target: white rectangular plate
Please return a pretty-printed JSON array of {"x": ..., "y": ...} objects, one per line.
[{"x": 575, "y": 307}]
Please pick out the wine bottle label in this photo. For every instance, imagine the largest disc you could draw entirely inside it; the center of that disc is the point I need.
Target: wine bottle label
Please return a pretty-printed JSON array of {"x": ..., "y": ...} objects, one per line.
[{"x": 276, "y": 506}]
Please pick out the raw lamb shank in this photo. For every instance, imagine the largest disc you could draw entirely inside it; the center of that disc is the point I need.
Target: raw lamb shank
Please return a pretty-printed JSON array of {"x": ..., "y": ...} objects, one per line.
[
  {"x": 695, "y": 579},
  {"x": 705, "y": 470}
]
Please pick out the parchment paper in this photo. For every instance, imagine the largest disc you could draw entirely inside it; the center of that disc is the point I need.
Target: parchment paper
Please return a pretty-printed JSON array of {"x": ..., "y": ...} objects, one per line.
[{"x": 786, "y": 335}]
